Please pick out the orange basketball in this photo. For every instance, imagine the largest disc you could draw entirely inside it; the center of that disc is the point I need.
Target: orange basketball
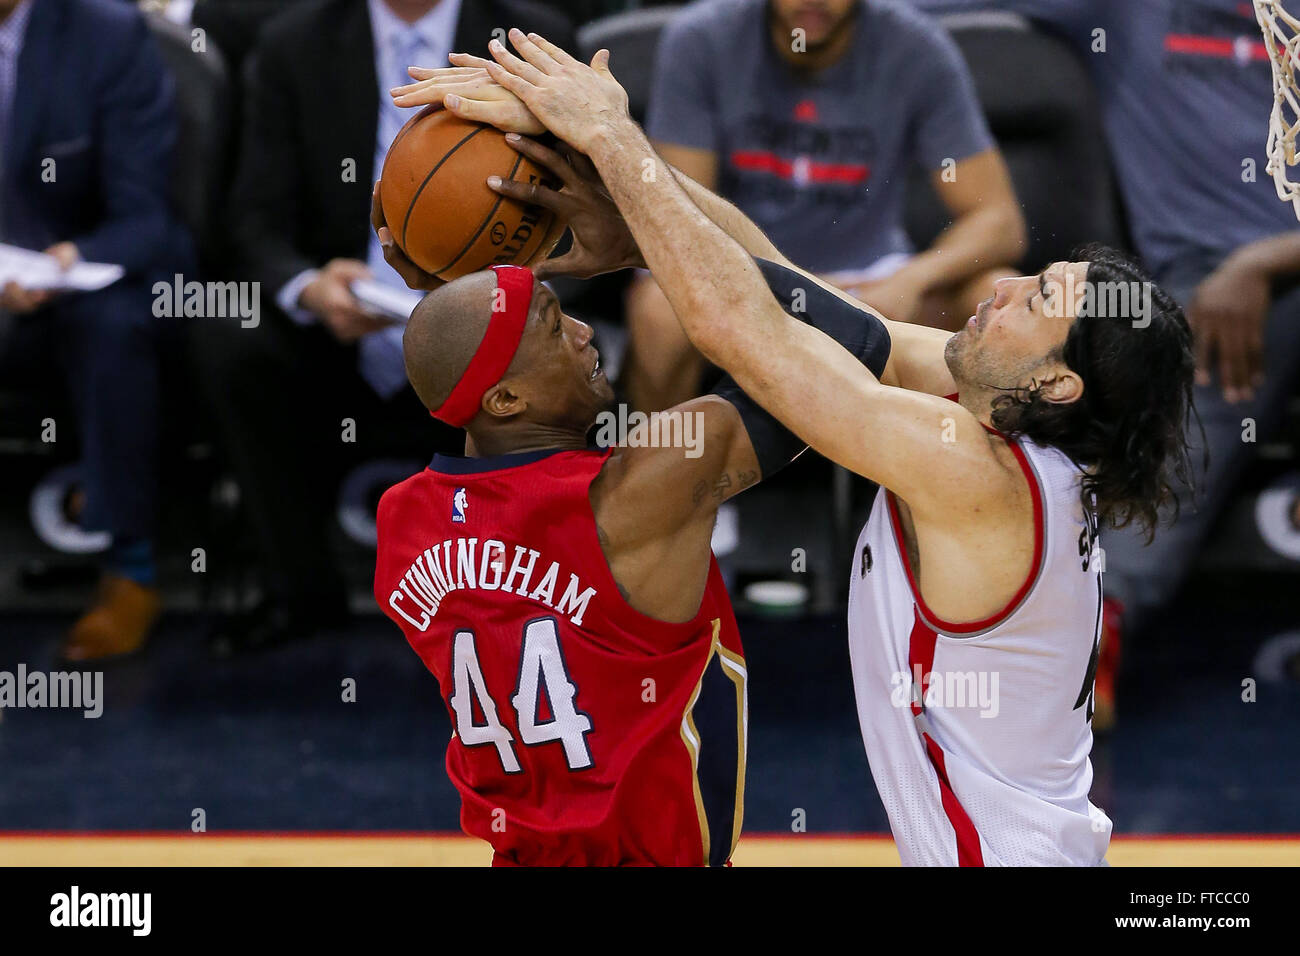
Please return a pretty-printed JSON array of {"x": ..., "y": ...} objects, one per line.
[{"x": 436, "y": 201}]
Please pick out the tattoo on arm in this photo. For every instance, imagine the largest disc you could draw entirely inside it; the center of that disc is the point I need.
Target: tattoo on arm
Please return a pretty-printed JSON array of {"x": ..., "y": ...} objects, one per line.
[
  {"x": 701, "y": 489},
  {"x": 723, "y": 484}
]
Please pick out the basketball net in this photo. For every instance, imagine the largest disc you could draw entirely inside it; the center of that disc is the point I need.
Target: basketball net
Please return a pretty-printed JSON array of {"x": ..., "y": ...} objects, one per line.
[{"x": 1282, "y": 40}]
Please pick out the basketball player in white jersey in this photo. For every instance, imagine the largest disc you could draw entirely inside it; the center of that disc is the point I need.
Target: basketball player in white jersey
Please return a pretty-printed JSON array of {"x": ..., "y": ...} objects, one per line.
[{"x": 976, "y": 585}]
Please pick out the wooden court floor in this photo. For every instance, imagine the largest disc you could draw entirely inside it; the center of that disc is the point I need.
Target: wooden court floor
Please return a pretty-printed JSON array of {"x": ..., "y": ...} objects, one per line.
[{"x": 437, "y": 849}]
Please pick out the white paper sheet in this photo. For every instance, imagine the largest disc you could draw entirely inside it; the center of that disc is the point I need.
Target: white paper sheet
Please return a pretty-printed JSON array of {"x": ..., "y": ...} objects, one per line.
[
  {"x": 386, "y": 300},
  {"x": 35, "y": 270}
]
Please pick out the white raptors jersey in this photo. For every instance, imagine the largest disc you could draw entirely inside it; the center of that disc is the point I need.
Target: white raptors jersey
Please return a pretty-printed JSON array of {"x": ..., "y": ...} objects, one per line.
[{"x": 978, "y": 734}]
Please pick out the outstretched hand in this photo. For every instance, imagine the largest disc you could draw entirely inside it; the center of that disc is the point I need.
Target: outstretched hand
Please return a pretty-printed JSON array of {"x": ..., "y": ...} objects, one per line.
[
  {"x": 468, "y": 91},
  {"x": 580, "y": 104},
  {"x": 601, "y": 239}
]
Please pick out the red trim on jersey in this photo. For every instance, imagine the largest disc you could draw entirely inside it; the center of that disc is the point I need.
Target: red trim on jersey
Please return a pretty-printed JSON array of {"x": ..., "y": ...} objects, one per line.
[
  {"x": 1035, "y": 567},
  {"x": 968, "y": 838},
  {"x": 497, "y": 349},
  {"x": 920, "y": 655}
]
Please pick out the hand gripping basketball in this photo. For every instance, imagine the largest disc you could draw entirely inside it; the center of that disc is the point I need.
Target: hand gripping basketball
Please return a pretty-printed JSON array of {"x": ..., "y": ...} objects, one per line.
[
  {"x": 412, "y": 275},
  {"x": 578, "y": 103},
  {"x": 467, "y": 90},
  {"x": 601, "y": 239},
  {"x": 439, "y": 209}
]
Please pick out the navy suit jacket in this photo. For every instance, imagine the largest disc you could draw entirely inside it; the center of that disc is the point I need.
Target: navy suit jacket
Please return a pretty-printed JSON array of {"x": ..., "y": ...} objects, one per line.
[{"x": 94, "y": 96}]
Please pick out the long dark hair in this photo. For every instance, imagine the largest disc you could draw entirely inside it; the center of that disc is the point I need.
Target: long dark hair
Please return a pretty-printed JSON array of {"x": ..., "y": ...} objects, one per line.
[{"x": 1129, "y": 431}]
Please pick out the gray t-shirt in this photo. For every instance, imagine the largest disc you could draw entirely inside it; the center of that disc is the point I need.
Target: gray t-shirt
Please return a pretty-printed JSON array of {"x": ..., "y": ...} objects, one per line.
[
  {"x": 1186, "y": 93},
  {"x": 819, "y": 162}
]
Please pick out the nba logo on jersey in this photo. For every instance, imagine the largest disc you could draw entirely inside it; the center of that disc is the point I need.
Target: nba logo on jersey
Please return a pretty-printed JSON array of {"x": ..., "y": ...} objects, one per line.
[{"x": 459, "y": 505}]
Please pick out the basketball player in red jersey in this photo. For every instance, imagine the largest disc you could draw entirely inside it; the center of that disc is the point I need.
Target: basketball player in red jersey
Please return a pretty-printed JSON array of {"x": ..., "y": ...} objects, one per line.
[
  {"x": 566, "y": 597},
  {"x": 1001, "y": 450}
]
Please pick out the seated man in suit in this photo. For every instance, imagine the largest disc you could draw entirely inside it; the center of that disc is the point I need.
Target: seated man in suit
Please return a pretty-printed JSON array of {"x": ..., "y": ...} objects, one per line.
[
  {"x": 318, "y": 121},
  {"x": 86, "y": 177}
]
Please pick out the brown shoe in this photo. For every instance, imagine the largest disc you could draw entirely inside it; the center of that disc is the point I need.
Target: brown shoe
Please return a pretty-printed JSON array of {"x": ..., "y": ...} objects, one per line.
[{"x": 117, "y": 623}]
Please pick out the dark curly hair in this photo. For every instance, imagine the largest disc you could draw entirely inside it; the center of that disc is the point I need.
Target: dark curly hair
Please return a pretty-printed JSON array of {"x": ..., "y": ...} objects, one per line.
[{"x": 1129, "y": 430}]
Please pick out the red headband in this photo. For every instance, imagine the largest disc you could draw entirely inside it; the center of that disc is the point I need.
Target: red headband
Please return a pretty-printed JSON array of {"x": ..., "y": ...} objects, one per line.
[{"x": 494, "y": 354}]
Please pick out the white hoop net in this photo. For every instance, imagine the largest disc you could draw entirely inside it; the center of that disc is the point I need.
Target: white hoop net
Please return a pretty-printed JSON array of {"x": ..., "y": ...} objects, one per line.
[{"x": 1282, "y": 40}]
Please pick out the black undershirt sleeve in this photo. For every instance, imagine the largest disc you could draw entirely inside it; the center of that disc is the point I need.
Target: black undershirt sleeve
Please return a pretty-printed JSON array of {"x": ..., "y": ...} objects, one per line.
[{"x": 856, "y": 329}]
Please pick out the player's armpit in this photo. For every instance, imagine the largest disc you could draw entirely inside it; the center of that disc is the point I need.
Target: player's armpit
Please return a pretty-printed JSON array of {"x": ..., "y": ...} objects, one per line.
[
  {"x": 674, "y": 467},
  {"x": 656, "y": 498}
]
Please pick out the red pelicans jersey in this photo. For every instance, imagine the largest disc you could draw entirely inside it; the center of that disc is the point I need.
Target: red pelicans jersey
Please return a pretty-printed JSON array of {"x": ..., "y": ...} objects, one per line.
[
  {"x": 583, "y": 732},
  {"x": 978, "y": 734}
]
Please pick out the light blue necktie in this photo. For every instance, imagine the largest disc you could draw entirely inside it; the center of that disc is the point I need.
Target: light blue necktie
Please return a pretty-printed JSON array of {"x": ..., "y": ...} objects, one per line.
[
  {"x": 381, "y": 360},
  {"x": 406, "y": 52}
]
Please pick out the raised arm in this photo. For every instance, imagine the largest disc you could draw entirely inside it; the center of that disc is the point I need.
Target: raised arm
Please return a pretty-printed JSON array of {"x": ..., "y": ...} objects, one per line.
[
  {"x": 932, "y": 452},
  {"x": 916, "y": 357}
]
